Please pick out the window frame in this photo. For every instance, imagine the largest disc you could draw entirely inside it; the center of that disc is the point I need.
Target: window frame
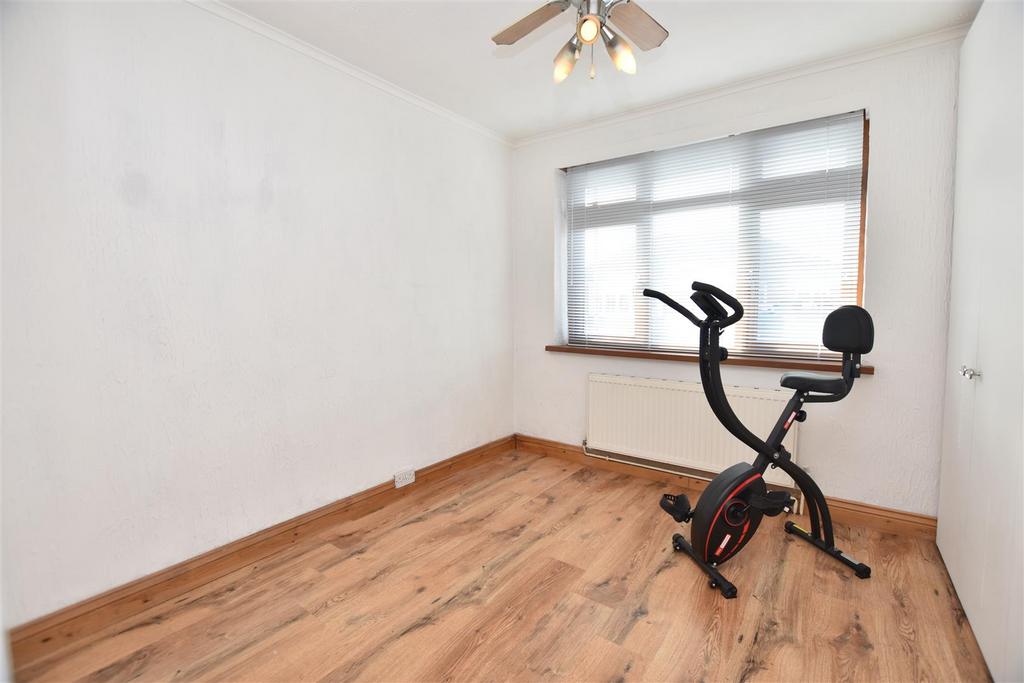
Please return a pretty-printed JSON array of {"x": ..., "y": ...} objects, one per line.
[{"x": 643, "y": 195}]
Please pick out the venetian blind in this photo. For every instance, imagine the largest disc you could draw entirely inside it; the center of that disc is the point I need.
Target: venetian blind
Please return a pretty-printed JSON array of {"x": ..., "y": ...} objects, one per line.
[{"x": 772, "y": 217}]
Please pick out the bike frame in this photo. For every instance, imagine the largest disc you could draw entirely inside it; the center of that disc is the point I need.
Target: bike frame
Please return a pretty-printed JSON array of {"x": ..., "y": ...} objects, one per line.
[{"x": 770, "y": 452}]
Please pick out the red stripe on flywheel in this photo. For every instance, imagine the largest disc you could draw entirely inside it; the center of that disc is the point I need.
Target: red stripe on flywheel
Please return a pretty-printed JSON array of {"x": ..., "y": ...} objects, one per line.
[
  {"x": 743, "y": 535},
  {"x": 736, "y": 490}
]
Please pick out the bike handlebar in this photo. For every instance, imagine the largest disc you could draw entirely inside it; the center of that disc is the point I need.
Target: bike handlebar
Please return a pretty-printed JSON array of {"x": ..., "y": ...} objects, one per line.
[
  {"x": 707, "y": 297},
  {"x": 672, "y": 303},
  {"x": 727, "y": 299}
]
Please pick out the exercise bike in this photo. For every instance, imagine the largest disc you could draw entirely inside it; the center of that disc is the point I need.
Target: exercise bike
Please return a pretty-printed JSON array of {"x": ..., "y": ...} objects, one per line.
[{"x": 734, "y": 502}]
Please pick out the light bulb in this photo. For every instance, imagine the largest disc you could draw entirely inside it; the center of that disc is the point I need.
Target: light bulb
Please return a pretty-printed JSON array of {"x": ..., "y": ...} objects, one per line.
[
  {"x": 566, "y": 58},
  {"x": 588, "y": 29},
  {"x": 620, "y": 51}
]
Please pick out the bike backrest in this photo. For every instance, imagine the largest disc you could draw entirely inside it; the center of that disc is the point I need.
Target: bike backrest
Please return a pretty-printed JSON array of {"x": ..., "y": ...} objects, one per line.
[{"x": 849, "y": 329}]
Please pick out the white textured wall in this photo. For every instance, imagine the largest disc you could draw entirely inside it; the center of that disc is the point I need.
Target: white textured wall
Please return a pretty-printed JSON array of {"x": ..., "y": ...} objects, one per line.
[
  {"x": 880, "y": 445},
  {"x": 237, "y": 285},
  {"x": 5, "y": 663}
]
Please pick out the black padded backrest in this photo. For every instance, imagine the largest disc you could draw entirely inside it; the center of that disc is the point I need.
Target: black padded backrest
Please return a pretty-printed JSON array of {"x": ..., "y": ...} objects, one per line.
[{"x": 849, "y": 329}]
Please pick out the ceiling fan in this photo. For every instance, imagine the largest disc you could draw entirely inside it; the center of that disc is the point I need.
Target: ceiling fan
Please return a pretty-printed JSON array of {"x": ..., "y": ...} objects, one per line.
[{"x": 592, "y": 17}]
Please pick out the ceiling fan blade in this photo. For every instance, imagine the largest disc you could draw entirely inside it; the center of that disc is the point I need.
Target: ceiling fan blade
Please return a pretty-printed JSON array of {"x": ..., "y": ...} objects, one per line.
[
  {"x": 531, "y": 21},
  {"x": 638, "y": 25}
]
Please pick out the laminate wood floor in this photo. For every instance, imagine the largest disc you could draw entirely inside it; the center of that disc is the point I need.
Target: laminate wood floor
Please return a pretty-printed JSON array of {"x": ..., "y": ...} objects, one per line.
[{"x": 527, "y": 568}]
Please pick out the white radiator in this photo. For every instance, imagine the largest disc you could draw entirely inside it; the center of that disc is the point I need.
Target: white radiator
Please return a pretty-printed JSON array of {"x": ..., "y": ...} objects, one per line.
[{"x": 670, "y": 422}]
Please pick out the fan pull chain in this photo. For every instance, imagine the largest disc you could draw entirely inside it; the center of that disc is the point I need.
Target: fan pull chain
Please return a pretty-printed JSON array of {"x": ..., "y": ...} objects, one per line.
[{"x": 593, "y": 68}]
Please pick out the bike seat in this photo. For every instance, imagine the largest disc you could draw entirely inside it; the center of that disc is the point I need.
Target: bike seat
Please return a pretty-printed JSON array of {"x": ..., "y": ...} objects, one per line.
[{"x": 813, "y": 381}]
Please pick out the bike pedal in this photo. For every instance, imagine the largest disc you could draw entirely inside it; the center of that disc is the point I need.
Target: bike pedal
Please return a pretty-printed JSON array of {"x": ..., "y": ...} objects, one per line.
[
  {"x": 677, "y": 507},
  {"x": 772, "y": 503}
]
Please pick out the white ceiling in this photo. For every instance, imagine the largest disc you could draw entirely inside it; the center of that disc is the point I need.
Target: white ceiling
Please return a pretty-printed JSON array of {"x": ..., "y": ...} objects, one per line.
[{"x": 441, "y": 50}]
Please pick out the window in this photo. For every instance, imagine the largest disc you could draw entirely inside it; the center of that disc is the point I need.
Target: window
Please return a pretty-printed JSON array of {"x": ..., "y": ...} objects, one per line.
[{"x": 773, "y": 217}]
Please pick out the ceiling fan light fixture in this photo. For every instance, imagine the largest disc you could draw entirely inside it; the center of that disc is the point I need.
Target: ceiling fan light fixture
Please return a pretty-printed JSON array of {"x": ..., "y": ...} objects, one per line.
[
  {"x": 588, "y": 29},
  {"x": 619, "y": 50},
  {"x": 566, "y": 58},
  {"x": 591, "y": 24}
]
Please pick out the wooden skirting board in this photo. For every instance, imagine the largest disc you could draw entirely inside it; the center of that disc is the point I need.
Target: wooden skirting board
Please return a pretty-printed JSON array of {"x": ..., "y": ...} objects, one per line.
[
  {"x": 40, "y": 637},
  {"x": 844, "y": 511}
]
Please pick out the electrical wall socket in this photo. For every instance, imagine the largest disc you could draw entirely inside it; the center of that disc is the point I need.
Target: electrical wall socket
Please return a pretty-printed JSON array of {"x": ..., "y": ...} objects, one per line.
[{"x": 404, "y": 478}]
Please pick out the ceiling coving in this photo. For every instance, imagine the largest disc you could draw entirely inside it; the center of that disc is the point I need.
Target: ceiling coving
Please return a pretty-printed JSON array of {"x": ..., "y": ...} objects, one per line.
[{"x": 592, "y": 17}]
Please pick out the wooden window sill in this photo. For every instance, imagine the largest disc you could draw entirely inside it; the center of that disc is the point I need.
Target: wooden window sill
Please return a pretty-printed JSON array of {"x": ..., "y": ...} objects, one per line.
[{"x": 782, "y": 363}]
